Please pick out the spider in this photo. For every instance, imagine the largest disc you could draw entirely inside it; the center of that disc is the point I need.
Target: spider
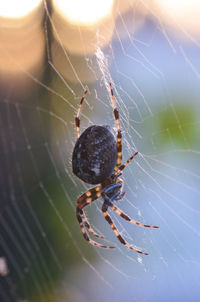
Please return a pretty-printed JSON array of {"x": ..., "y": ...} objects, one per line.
[{"x": 97, "y": 160}]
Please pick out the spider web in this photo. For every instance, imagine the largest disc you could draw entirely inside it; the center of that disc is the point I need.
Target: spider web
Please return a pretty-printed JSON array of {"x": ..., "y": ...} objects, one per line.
[{"x": 155, "y": 79}]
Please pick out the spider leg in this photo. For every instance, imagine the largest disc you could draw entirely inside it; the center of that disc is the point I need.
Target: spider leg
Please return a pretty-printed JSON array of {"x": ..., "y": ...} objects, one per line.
[
  {"x": 127, "y": 218},
  {"x": 119, "y": 134},
  {"x": 85, "y": 199},
  {"x": 88, "y": 226},
  {"x": 117, "y": 196},
  {"x": 113, "y": 227},
  {"x": 77, "y": 118},
  {"x": 120, "y": 168},
  {"x": 79, "y": 214}
]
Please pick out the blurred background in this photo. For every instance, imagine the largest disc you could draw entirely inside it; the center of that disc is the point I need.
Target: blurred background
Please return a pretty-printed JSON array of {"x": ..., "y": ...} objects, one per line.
[{"x": 50, "y": 52}]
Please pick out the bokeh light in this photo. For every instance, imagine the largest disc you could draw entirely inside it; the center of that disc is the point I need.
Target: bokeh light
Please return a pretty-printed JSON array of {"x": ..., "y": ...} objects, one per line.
[
  {"x": 22, "y": 45},
  {"x": 82, "y": 26},
  {"x": 17, "y": 9},
  {"x": 181, "y": 15},
  {"x": 86, "y": 12}
]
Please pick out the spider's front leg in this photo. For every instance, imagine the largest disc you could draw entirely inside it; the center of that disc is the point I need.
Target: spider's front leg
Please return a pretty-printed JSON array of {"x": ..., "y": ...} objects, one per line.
[
  {"x": 113, "y": 193},
  {"x": 106, "y": 204},
  {"x": 110, "y": 194},
  {"x": 85, "y": 199}
]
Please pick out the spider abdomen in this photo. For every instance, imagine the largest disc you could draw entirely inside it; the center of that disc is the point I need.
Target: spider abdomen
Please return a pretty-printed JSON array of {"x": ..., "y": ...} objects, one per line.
[{"x": 95, "y": 155}]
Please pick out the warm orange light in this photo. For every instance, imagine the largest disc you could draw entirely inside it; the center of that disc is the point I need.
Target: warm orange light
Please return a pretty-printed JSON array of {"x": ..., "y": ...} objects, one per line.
[
  {"x": 22, "y": 46},
  {"x": 83, "y": 26},
  {"x": 17, "y": 8},
  {"x": 182, "y": 15},
  {"x": 87, "y": 12}
]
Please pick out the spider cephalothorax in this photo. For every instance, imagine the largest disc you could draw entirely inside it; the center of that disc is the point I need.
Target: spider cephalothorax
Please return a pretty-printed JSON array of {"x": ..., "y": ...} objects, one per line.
[{"x": 96, "y": 159}]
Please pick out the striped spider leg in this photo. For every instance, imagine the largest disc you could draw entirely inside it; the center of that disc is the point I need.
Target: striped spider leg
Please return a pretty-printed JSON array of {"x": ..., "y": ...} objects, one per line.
[
  {"x": 85, "y": 199},
  {"x": 115, "y": 192},
  {"x": 97, "y": 160},
  {"x": 119, "y": 133},
  {"x": 77, "y": 118},
  {"x": 110, "y": 191}
]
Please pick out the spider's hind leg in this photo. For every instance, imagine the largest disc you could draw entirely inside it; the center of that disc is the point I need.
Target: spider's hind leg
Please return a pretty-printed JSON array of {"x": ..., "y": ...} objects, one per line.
[
  {"x": 127, "y": 218},
  {"x": 85, "y": 199},
  {"x": 79, "y": 215},
  {"x": 115, "y": 230},
  {"x": 118, "y": 196},
  {"x": 88, "y": 226}
]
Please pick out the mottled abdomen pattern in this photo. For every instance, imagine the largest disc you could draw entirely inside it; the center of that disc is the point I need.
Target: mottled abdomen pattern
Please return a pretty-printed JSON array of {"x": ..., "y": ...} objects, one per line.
[{"x": 95, "y": 154}]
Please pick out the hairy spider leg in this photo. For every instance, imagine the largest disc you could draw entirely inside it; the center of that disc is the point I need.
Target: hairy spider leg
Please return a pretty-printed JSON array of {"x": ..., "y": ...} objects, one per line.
[
  {"x": 79, "y": 214},
  {"x": 85, "y": 199},
  {"x": 113, "y": 227},
  {"x": 127, "y": 218},
  {"x": 125, "y": 164},
  {"x": 116, "y": 196},
  {"x": 88, "y": 226},
  {"x": 77, "y": 118},
  {"x": 119, "y": 134}
]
